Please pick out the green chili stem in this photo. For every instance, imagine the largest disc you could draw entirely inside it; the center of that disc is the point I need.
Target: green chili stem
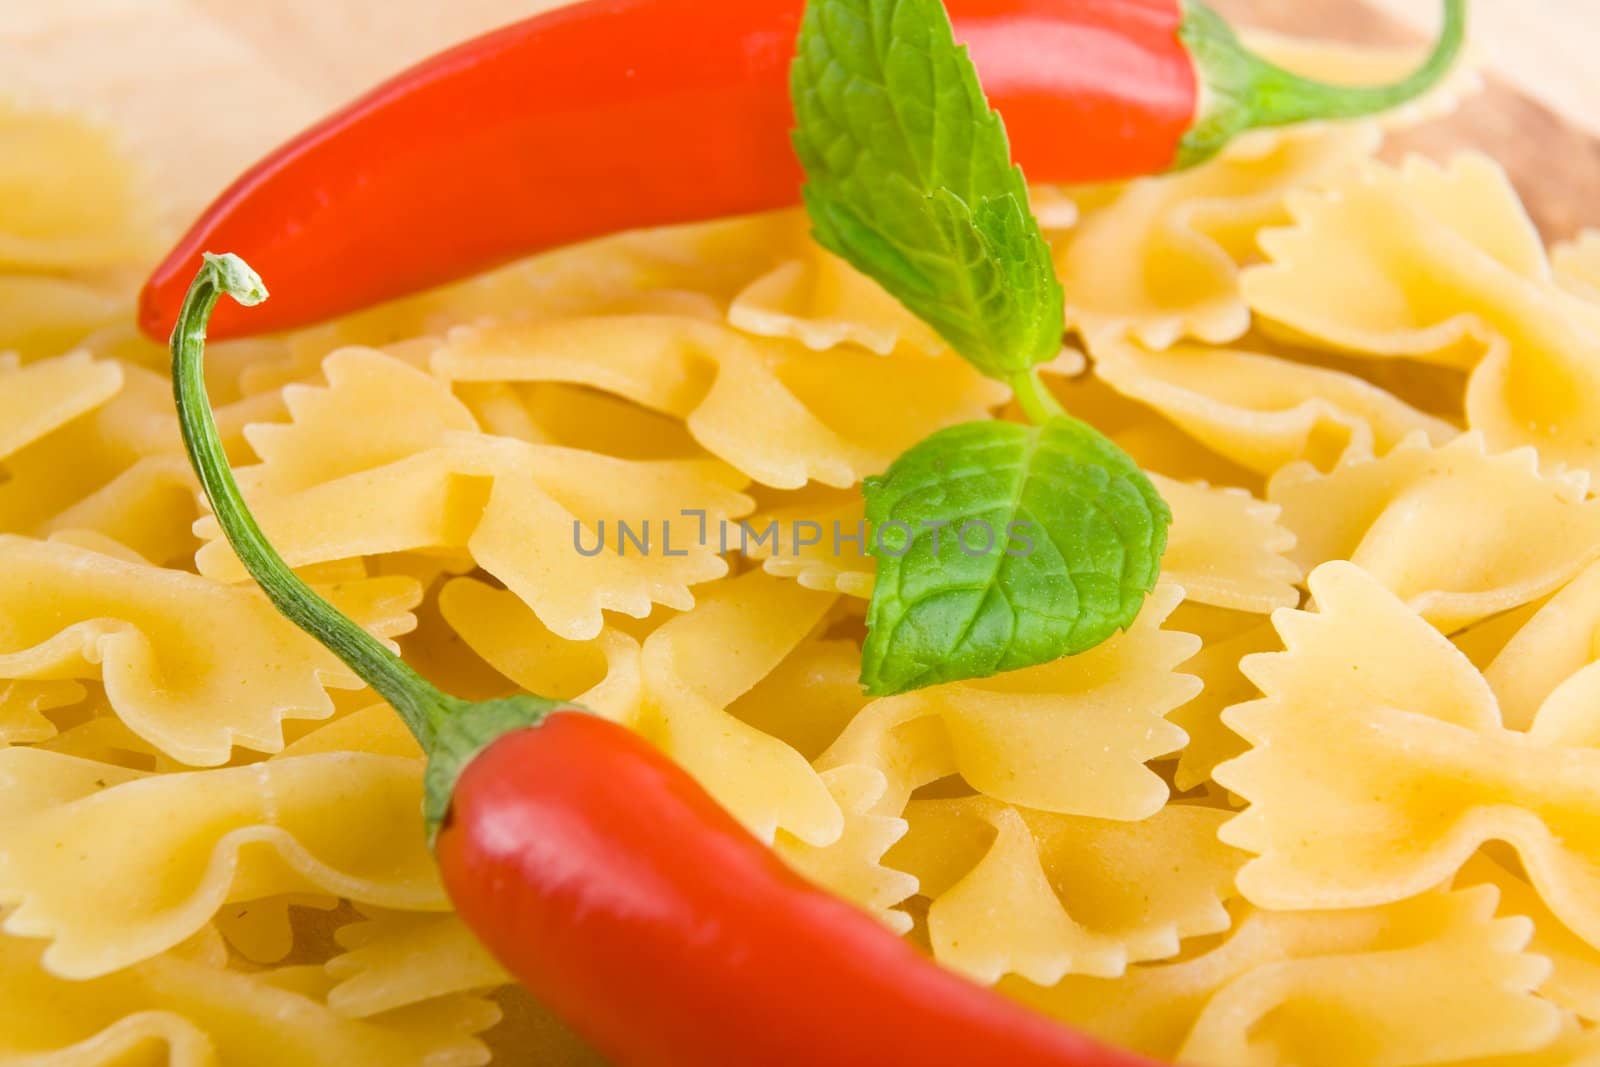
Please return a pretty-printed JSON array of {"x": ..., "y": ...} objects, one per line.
[
  {"x": 1247, "y": 92},
  {"x": 420, "y": 704},
  {"x": 1038, "y": 403}
]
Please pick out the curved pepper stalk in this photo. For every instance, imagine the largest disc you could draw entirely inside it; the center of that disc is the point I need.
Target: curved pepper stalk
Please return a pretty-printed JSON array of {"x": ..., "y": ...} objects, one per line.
[
  {"x": 1245, "y": 92},
  {"x": 450, "y": 730}
]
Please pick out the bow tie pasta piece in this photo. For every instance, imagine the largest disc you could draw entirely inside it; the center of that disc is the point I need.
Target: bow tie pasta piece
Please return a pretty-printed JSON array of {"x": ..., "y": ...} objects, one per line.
[
  {"x": 375, "y": 410},
  {"x": 262, "y": 931},
  {"x": 68, "y": 199},
  {"x": 1161, "y": 260},
  {"x": 679, "y": 687},
  {"x": 117, "y": 470},
  {"x": 44, "y": 396},
  {"x": 546, "y": 521},
  {"x": 770, "y": 408},
  {"x": 41, "y": 315},
  {"x": 1224, "y": 547},
  {"x": 1418, "y": 520},
  {"x": 577, "y": 417},
  {"x": 822, "y": 302},
  {"x": 1358, "y": 988},
  {"x": 114, "y": 866},
  {"x": 1227, "y": 549},
  {"x": 1385, "y": 263},
  {"x": 1026, "y": 892},
  {"x": 401, "y": 959},
  {"x": 1262, "y": 412},
  {"x": 817, "y": 536},
  {"x": 1378, "y": 764},
  {"x": 71, "y": 230},
  {"x": 1071, "y": 736},
  {"x": 1444, "y": 265},
  {"x": 166, "y": 645},
  {"x": 853, "y": 866},
  {"x": 23, "y": 703},
  {"x": 1577, "y": 265},
  {"x": 1217, "y": 667},
  {"x": 1574, "y": 982},
  {"x": 198, "y": 1013},
  {"x": 601, "y": 674},
  {"x": 1553, "y": 645}
]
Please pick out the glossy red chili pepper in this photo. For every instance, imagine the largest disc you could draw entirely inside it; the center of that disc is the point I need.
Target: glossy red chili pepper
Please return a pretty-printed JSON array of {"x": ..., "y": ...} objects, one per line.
[
  {"x": 623, "y": 897},
  {"x": 612, "y": 115},
  {"x": 607, "y": 880}
]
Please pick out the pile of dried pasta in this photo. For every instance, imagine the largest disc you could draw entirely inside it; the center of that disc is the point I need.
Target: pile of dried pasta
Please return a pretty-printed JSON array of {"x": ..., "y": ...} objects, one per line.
[{"x": 1330, "y": 801}]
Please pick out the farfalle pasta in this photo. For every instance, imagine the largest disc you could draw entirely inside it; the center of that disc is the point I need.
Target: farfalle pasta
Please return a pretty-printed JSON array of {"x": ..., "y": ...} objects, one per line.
[
  {"x": 1262, "y": 412},
  {"x": 1395, "y": 764},
  {"x": 1443, "y": 265},
  {"x": 189, "y": 1008},
  {"x": 678, "y": 687},
  {"x": 67, "y": 612},
  {"x": 1331, "y": 988},
  {"x": 766, "y": 407},
  {"x": 1327, "y": 801},
  {"x": 399, "y": 959},
  {"x": 437, "y": 486},
  {"x": 1161, "y": 260},
  {"x": 1070, "y": 738},
  {"x": 1401, "y": 518},
  {"x": 341, "y": 823},
  {"x": 1017, "y": 891}
]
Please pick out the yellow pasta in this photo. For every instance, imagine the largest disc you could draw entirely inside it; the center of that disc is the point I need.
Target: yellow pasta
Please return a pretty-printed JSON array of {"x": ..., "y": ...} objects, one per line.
[
  {"x": 23, "y": 704},
  {"x": 1262, "y": 412},
  {"x": 822, "y": 302},
  {"x": 677, "y": 687},
  {"x": 1161, "y": 261},
  {"x": 67, "y": 612},
  {"x": 1395, "y": 766},
  {"x": 154, "y": 856},
  {"x": 1577, "y": 265},
  {"x": 400, "y": 959},
  {"x": 1574, "y": 981},
  {"x": 189, "y": 1010},
  {"x": 767, "y": 407},
  {"x": 1023, "y": 892},
  {"x": 1401, "y": 518},
  {"x": 41, "y": 397},
  {"x": 1331, "y": 989},
  {"x": 1327, "y": 802},
  {"x": 536, "y": 517},
  {"x": 1443, "y": 265}
]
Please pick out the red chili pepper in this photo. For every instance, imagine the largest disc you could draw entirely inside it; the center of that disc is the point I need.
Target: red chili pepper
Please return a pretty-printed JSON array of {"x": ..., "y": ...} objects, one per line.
[
  {"x": 624, "y": 898},
  {"x": 610, "y": 883},
  {"x": 612, "y": 115}
]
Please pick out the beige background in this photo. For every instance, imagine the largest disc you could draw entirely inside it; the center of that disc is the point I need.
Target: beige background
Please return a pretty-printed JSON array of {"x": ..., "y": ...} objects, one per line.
[{"x": 204, "y": 86}]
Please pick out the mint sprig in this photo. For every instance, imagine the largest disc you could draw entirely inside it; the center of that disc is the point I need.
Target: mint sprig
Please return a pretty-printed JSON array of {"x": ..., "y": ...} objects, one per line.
[
  {"x": 1004, "y": 546},
  {"x": 999, "y": 546},
  {"x": 909, "y": 178}
]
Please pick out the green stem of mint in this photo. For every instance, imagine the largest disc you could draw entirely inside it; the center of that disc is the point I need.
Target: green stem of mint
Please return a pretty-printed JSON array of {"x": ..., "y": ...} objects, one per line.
[
  {"x": 1036, "y": 400},
  {"x": 422, "y": 706}
]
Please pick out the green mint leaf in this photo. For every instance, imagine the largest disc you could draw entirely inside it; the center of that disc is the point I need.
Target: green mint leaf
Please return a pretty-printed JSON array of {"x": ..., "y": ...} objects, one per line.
[
  {"x": 1063, "y": 540},
  {"x": 909, "y": 177}
]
